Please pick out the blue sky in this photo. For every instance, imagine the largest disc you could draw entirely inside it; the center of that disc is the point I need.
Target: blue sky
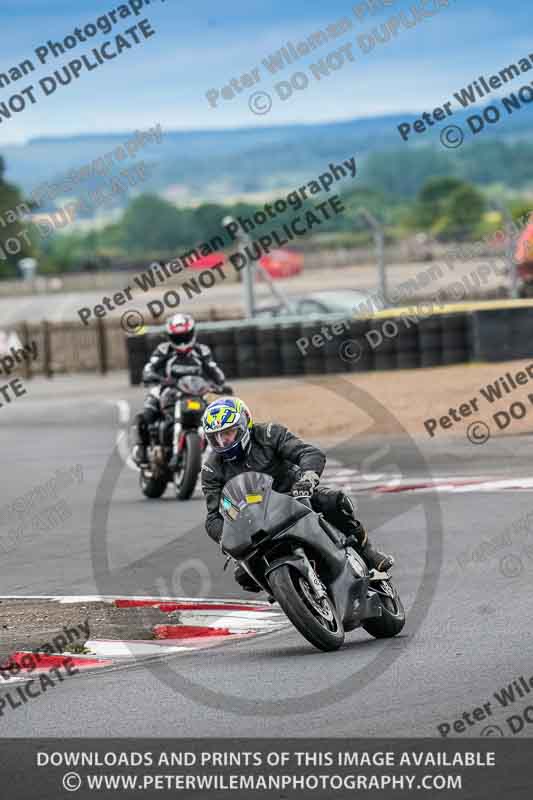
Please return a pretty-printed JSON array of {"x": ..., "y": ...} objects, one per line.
[{"x": 201, "y": 46}]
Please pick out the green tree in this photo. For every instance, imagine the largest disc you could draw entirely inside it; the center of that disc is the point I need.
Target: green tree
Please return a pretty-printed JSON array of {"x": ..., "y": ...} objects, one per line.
[
  {"x": 400, "y": 173},
  {"x": 462, "y": 211},
  {"x": 448, "y": 208},
  {"x": 151, "y": 223},
  {"x": 432, "y": 199},
  {"x": 521, "y": 208},
  {"x": 12, "y": 227}
]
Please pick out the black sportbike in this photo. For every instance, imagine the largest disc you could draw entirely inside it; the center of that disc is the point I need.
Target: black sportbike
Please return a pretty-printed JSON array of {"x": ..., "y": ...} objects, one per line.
[
  {"x": 285, "y": 547},
  {"x": 177, "y": 441}
]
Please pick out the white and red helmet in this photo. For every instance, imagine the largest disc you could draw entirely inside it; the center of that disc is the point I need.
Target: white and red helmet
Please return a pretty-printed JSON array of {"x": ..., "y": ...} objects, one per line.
[{"x": 181, "y": 332}]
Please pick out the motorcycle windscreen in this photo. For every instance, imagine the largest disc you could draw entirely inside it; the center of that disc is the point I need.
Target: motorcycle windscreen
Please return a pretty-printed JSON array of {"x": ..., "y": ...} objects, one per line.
[
  {"x": 193, "y": 384},
  {"x": 251, "y": 509}
]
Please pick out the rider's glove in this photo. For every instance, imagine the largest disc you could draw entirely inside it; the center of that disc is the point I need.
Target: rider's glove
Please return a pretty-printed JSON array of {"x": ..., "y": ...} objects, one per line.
[
  {"x": 224, "y": 388},
  {"x": 306, "y": 484}
]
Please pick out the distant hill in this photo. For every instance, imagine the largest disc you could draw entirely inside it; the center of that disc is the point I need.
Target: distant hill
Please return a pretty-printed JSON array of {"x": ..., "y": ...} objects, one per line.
[{"x": 193, "y": 166}]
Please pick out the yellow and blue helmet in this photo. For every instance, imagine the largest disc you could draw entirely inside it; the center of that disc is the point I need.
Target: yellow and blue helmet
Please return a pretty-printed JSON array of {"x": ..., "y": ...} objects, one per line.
[{"x": 227, "y": 423}]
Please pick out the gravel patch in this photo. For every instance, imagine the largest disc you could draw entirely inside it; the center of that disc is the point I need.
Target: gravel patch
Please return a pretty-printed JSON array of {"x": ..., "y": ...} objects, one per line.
[{"x": 33, "y": 624}]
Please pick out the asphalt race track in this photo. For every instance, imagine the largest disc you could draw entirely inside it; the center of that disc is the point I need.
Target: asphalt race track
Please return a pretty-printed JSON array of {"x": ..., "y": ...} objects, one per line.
[{"x": 466, "y": 637}]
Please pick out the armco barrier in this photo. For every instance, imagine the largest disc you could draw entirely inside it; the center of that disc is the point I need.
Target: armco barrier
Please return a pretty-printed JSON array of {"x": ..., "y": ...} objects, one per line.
[{"x": 389, "y": 340}]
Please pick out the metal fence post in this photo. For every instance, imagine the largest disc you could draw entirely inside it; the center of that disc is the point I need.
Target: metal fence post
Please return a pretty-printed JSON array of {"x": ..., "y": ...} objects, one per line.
[
  {"x": 102, "y": 345},
  {"x": 25, "y": 336},
  {"x": 47, "y": 350},
  {"x": 379, "y": 241}
]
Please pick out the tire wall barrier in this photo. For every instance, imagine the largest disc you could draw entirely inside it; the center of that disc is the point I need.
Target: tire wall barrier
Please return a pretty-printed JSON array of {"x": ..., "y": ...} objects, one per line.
[
  {"x": 312, "y": 347},
  {"x": 502, "y": 334}
]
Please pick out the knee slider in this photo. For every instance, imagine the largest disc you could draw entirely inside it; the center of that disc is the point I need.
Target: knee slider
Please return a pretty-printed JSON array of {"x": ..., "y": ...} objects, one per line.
[
  {"x": 150, "y": 415},
  {"x": 329, "y": 500},
  {"x": 345, "y": 504}
]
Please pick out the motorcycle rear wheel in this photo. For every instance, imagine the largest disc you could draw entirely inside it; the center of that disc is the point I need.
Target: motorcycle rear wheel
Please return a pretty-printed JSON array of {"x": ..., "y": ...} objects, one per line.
[{"x": 323, "y": 630}]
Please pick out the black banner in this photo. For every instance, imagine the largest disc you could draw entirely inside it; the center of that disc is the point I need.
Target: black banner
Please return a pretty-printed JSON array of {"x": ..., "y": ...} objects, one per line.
[{"x": 49, "y": 769}]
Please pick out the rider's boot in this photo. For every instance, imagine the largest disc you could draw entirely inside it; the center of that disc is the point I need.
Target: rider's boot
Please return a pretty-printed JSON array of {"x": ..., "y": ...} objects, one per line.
[{"x": 357, "y": 537}]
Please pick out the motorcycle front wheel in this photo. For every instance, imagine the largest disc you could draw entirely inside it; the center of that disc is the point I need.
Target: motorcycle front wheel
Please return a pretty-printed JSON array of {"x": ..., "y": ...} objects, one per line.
[
  {"x": 152, "y": 487},
  {"x": 191, "y": 464},
  {"x": 317, "y": 621}
]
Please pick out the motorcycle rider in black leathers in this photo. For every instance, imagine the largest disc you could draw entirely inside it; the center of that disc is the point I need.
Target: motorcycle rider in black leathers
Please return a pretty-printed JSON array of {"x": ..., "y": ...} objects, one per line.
[
  {"x": 238, "y": 445},
  {"x": 180, "y": 355}
]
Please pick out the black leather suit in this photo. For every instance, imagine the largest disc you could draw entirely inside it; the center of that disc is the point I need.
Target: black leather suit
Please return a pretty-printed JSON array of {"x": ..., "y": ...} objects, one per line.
[
  {"x": 279, "y": 453},
  {"x": 166, "y": 362}
]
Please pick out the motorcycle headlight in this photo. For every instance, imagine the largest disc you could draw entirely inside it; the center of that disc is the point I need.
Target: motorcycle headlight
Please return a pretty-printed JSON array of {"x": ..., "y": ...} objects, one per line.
[
  {"x": 254, "y": 498},
  {"x": 229, "y": 509}
]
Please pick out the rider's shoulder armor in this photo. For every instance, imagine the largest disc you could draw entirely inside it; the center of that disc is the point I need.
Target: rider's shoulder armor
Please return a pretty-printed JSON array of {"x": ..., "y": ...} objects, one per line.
[
  {"x": 213, "y": 467},
  {"x": 204, "y": 350},
  {"x": 162, "y": 349},
  {"x": 268, "y": 432}
]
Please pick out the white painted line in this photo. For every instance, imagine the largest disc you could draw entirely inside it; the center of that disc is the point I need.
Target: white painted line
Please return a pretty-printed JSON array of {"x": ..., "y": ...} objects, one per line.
[
  {"x": 124, "y": 450},
  {"x": 341, "y": 473},
  {"x": 163, "y": 599},
  {"x": 124, "y": 411},
  {"x": 107, "y": 648},
  {"x": 235, "y": 621},
  {"x": 122, "y": 439},
  {"x": 88, "y": 599}
]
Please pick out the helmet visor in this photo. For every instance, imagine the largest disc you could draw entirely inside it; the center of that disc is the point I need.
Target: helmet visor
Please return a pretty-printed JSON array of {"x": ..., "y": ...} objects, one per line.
[
  {"x": 227, "y": 438},
  {"x": 181, "y": 338}
]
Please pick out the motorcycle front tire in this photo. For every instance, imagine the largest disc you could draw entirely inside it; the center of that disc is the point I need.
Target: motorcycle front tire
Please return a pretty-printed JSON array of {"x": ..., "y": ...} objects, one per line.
[
  {"x": 284, "y": 585},
  {"x": 152, "y": 487},
  {"x": 185, "y": 480}
]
